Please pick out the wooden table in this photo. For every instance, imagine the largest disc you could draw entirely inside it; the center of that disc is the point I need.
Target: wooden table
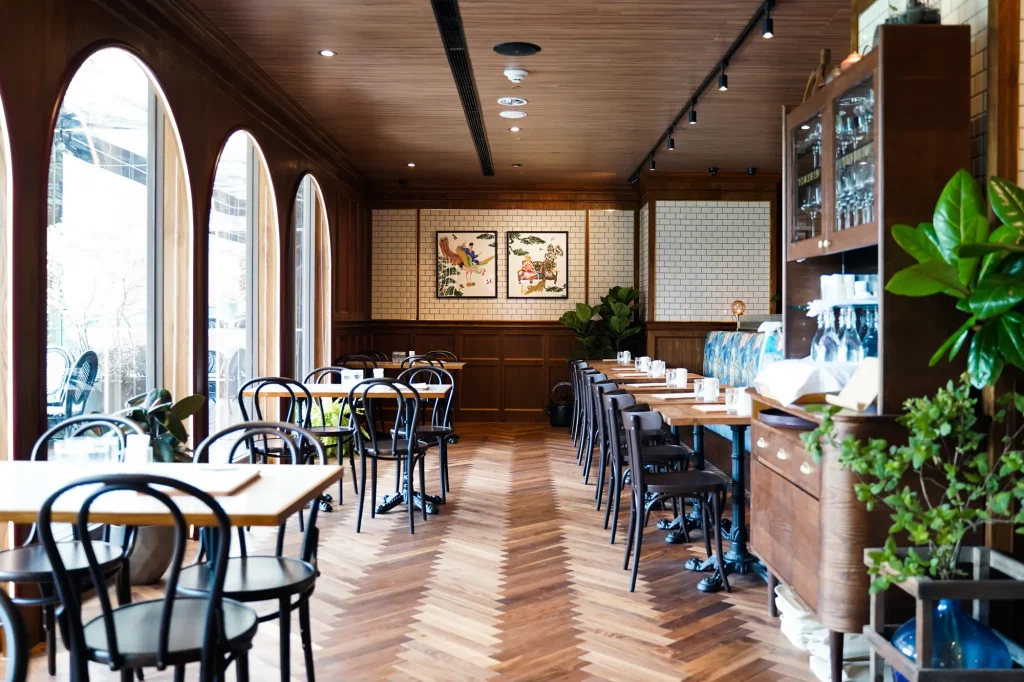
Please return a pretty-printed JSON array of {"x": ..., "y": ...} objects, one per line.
[
  {"x": 450, "y": 366},
  {"x": 269, "y": 500},
  {"x": 342, "y": 390}
]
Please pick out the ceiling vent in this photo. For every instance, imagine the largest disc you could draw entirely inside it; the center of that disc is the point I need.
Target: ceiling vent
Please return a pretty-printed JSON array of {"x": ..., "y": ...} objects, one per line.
[
  {"x": 516, "y": 49},
  {"x": 511, "y": 101}
]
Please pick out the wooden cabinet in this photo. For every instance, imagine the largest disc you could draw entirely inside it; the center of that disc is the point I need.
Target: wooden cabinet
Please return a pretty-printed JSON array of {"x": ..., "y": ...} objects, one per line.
[{"x": 872, "y": 149}]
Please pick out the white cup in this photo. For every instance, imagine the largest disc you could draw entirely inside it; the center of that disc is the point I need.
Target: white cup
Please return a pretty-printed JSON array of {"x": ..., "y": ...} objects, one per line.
[
  {"x": 676, "y": 378},
  {"x": 745, "y": 408},
  {"x": 849, "y": 286},
  {"x": 645, "y": 364},
  {"x": 412, "y": 353},
  {"x": 860, "y": 288},
  {"x": 658, "y": 369},
  {"x": 378, "y": 372},
  {"x": 711, "y": 390}
]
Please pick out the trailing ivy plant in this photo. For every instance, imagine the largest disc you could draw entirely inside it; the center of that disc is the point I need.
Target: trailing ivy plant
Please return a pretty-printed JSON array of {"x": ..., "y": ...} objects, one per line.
[
  {"x": 959, "y": 255},
  {"x": 956, "y": 489}
]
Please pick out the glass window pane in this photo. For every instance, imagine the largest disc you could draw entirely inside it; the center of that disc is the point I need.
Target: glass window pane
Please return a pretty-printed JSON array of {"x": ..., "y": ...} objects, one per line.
[
  {"x": 97, "y": 239},
  {"x": 305, "y": 236}
]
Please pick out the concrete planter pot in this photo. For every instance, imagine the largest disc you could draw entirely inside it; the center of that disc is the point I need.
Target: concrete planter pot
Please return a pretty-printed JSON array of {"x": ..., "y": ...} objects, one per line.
[{"x": 151, "y": 557}]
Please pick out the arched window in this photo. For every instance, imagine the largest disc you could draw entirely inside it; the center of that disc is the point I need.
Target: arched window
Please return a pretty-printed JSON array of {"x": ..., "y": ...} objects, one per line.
[
  {"x": 117, "y": 197},
  {"x": 312, "y": 278},
  {"x": 244, "y": 277},
  {"x": 5, "y": 312}
]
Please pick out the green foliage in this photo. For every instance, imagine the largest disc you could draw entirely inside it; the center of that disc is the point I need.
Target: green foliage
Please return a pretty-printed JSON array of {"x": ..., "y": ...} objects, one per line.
[
  {"x": 581, "y": 320},
  {"x": 158, "y": 415},
  {"x": 957, "y": 255},
  {"x": 941, "y": 485},
  {"x": 615, "y": 327}
]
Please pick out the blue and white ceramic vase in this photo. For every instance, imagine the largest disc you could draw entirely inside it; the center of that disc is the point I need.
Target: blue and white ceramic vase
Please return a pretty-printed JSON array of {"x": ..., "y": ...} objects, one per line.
[{"x": 958, "y": 641}]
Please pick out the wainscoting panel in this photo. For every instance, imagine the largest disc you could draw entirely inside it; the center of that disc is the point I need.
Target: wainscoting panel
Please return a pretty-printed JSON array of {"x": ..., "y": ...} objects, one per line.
[{"x": 681, "y": 344}]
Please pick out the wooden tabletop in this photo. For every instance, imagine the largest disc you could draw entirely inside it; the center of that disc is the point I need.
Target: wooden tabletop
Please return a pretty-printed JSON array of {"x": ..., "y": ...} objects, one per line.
[
  {"x": 342, "y": 390},
  {"x": 278, "y": 493},
  {"x": 450, "y": 366}
]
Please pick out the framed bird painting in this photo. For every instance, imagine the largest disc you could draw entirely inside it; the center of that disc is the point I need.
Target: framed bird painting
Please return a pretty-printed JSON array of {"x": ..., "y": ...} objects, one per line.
[{"x": 467, "y": 264}]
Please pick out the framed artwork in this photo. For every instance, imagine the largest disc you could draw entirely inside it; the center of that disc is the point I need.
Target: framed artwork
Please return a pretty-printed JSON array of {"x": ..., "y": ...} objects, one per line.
[
  {"x": 467, "y": 264},
  {"x": 538, "y": 265}
]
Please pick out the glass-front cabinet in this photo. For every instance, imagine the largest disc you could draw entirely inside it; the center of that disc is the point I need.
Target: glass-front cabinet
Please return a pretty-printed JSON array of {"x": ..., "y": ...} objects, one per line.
[{"x": 832, "y": 204}]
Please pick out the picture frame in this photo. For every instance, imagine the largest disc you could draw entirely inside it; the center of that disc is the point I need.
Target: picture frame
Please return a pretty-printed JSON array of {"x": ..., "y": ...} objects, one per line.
[
  {"x": 466, "y": 264},
  {"x": 538, "y": 265}
]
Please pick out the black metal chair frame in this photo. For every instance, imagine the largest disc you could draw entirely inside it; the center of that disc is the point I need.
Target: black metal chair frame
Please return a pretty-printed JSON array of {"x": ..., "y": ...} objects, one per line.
[
  {"x": 576, "y": 368},
  {"x": 440, "y": 429},
  {"x": 299, "y": 442},
  {"x": 365, "y": 362},
  {"x": 340, "y": 433},
  {"x": 375, "y": 355},
  {"x": 585, "y": 454},
  {"x": 414, "y": 360},
  {"x": 38, "y": 571},
  {"x": 370, "y": 446},
  {"x": 442, "y": 355},
  {"x": 216, "y": 652},
  {"x": 15, "y": 640},
  {"x": 599, "y": 390},
  {"x": 78, "y": 386}
]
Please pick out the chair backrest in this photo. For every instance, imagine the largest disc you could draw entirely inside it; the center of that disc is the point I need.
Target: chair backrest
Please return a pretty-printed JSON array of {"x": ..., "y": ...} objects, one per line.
[
  {"x": 237, "y": 372},
  {"x": 407, "y": 405},
  {"x": 413, "y": 360},
  {"x": 614, "y": 403},
  {"x": 363, "y": 362},
  {"x": 299, "y": 443},
  {"x": 15, "y": 639},
  {"x": 299, "y": 405},
  {"x": 80, "y": 382},
  {"x": 443, "y": 355},
  {"x": 734, "y": 358},
  {"x": 599, "y": 390},
  {"x": 58, "y": 366},
  {"x": 70, "y": 592},
  {"x": 637, "y": 422},
  {"x": 326, "y": 375},
  {"x": 441, "y": 412},
  {"x": 375, "y": 355}
]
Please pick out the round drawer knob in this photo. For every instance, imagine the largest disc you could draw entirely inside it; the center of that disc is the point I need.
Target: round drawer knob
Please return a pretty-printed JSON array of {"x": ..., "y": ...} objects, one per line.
[
  {"x": 805, "y": 468},
  {"x": 827, "y": 243},
  {"x": 821, "y": 244},
  {"x": 761, "y": 442},
  {"x": 782, "y": 454}
]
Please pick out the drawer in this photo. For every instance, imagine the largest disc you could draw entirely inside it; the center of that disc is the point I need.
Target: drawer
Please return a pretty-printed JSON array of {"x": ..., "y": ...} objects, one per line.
[
  {"x": 784, "y": 530},
  {"x": 783, "y": 451}
]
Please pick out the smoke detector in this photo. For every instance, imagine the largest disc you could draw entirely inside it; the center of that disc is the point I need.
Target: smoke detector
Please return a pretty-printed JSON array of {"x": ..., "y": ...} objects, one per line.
[
  {"x": 512, "y": 101},
  {"x": 516, "y": 75}
]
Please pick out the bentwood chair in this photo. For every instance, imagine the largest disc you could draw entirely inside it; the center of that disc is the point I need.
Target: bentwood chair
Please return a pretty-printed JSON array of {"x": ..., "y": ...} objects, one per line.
[
  {"x": 401, "y": 447},
  {"x": 250, "y": 578},
  {"x": 353, "y": 361},
  {"x": 597, "y": 390},
  {"x": 576, "y": 368},
  {"x": 342, "y": 434},
  {"x": 375, "y": 355},
  {"x": 78, "y": 388},
  {"x": 650, "y": 489},
  {"x": 580, "y": 393},
  {"x": 443, "y": 355},
  {"x": 29, "y": 563},
  {"x": 15, "y": 639},
  {"x": 440, "y": 431},
  {"x": 413, "y": 360},
  {"x": 586, "y": 445},
  {"x": 58, "y": 368},
  {"x": 172, "y": 631}
]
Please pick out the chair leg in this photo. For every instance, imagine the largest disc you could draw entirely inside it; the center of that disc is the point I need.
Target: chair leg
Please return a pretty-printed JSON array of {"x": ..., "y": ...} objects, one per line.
[
  {"x": 708, "y": 525},
  {"x": 51, "y": 639},
  {"x": 629, "y": 533},
  {"x": 638, "y": 538},
  {"x": 423, "y": 486},
  {"x": 616, "y": 500},
  {"x": 441, "y": 446},
  {"x": 588, "y": 454},
  {"x": 126, "y": 675},
  {"x": 611, "y": 491},
  {"x": 284, "y": 618},
  {"x": 242, "y": 667},
  {"x": 352, "y": 463},
  {"x": 602, "y": 466},
  {"x": 307, "y": 638},
  {"x": 373, "y": 487},
  {"x": 362, "y": 494},
  {"x": 179, "y": 673},
  {"x": 718, "y": 539}
]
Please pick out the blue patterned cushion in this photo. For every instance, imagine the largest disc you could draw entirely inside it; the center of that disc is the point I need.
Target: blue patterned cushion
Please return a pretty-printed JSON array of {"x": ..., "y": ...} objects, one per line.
[{"x": 734, "y": 358}]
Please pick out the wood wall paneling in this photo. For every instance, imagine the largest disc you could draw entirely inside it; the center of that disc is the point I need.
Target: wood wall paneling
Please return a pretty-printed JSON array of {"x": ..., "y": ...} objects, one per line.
[{"x": 681, "y": 344}]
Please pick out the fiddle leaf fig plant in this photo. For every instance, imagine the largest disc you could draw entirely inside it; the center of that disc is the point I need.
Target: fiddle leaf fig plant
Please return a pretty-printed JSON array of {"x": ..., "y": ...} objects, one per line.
[
  {"x": 617, "y": 313},
  {"x": 957, "y": 488},
  {"x": 983, "y": 269},
  {"x": 583, "y": 321},
  {"x": 158, "y": 415}
]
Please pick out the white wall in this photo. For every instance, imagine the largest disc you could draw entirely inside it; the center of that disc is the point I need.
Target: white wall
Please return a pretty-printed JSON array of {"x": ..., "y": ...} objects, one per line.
[
  {"x": 645, "y": 269},
  {"x": 708, "y": 254},
  {"x": 611, "y": 251},
  {"x": 394, "y": 244}
]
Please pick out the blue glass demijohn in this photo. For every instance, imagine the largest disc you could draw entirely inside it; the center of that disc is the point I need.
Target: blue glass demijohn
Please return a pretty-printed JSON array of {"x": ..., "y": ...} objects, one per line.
[{"x": 958, "y": 641}]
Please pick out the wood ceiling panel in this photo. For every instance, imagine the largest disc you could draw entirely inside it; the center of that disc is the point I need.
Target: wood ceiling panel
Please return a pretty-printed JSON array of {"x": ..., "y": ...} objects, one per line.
[{"x": 610, "y": 77}]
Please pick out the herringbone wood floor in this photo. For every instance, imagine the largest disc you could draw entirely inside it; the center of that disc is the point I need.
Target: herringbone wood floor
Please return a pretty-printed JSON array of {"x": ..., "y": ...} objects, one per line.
[{"x": 514, "y": 580}]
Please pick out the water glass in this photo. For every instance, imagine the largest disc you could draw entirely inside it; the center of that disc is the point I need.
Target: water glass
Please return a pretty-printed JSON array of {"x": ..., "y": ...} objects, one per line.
[
  {"x": 658, "y": 369},
  {"x": 91, "y": 450},
  {"x": 732, "y": 400},
  {"x": 645, "y": 364},
  {"x": 698, "y": 389},
  {"x": 676, "y": 378},
  {"x": 711, "y": 390},
  {"x": 398, "y": 356}
]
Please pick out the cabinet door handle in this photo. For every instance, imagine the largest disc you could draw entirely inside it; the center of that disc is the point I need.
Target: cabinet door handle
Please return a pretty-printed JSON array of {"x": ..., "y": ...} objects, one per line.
[
  {"x": 782, "y": 454},
  {"x": 805, "y": 468},
  {"x": 821, "y": 244},
  {"x": 827, "y": 243},
  {"x": 761, "y": 442}
]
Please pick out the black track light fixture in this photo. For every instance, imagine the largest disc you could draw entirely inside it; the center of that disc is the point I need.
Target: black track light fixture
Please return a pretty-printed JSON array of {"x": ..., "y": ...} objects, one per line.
[
  {"x": 671, "y": 144},
  {"x": 693, "y": 113},
  {"x": 651, "y": 165},
  {"x": 768, "y": 27},
  {"x": 723, "y": 80}
]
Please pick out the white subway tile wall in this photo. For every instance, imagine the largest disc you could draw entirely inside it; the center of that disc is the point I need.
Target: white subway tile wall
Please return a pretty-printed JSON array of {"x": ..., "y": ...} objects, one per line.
[
  {"x": 500, "y": 308},
  {"x": 644, "y": 266},
  {"x": 708, "y": 254},
  {"x": 975, "y": 14},
  {"x": 394, "y": 260},
  {"x": 611, "y": 251}
]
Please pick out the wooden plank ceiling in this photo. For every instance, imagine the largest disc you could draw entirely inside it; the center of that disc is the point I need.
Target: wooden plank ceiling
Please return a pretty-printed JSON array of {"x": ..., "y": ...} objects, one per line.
[{"x": 610, "y": 77}]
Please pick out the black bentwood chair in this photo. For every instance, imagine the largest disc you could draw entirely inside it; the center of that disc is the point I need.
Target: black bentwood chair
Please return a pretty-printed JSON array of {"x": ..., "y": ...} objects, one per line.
[
  {"x": 15, "y": 640},
  {"x": 440, "y": 431},
  {"x": 443, "y": 355},
  {"x": 173, "y": 631},
  {"x": 416, "y": 360},
  {"x": 356, "y": 361},
  {"x": 29, "y": 564},
  {"x": 375, "y": 355},
  {"x": 342, "y": 435},
  {"x": 249, "y": 578},
  {"x": 651, "y": 489},
  {"x": 401, "y": 446},
  {"x": 576, "y": 368}
]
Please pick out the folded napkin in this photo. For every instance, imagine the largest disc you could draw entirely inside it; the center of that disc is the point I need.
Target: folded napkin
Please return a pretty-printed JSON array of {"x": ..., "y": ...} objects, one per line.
[
  {"x": 711, "y": 408},
  {"x": 650, "y": 385},
  {"x": 672, "y": 396},
  {"x": 633, "y": 374}
]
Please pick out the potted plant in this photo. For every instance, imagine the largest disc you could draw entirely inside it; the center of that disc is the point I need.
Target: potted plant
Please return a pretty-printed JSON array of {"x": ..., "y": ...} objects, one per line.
[
  {"x": 158, "y": 415},
  {"x": 591, "y": 343},
  {"x": 617, "y": 312}
]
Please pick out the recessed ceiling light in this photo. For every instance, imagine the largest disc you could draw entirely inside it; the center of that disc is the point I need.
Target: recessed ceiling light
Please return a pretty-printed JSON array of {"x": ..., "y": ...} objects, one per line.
[
  {"x": 511, "y": 101},
  {"x": 516, "y": 49},
  {"x": 517, "y": 165},
  {"x": 805, "y": 126},
  {"x": 411, "y": 164},
  {"x": 512, "y": 114},
  {"x": 326, "y": 53},
  {"x": 515, "y": 129}
]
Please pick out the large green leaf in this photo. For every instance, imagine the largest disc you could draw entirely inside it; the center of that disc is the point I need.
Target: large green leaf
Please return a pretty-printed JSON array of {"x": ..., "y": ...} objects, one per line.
[
  {"x": 960, "y": 218},
  {"x": 162, "y": 450},
  {"x": 989, "y": 247},
  {"x": 984, "y": 359},
  {"x": 925, "y": 279},
  {"x": 1007, "y": 201},
  {"x": 618, "y": 324},
  {"x": 584, "y": 311},
  {"x": 1004, "y": 234},
  {"x": 956, "y": 338},
  {"x": 917, "y": 242},
  {"x": 996, "y": 294},
  {"x": 1011, "y": 341},
  {"x": 188, "y": 406}
]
